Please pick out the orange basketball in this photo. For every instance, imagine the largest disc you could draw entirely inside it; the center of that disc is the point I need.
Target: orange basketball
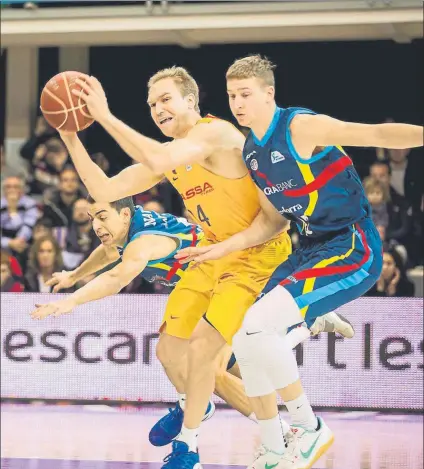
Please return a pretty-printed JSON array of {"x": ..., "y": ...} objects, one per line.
[{"x": 62, "y": 109}]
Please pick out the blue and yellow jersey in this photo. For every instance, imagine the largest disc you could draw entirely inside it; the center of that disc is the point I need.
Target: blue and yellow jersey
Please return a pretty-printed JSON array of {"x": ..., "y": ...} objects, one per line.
[
  {"x": 144, "y": 222},
  {"x": 323, "y": 194}
]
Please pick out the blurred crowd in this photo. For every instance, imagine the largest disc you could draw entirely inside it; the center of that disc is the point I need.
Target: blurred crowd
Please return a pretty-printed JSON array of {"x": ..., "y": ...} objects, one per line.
[{"x": 45, "y": 227}]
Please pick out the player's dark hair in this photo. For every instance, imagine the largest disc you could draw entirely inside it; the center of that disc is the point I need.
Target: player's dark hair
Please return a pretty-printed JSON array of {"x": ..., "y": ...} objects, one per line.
[{"x": 118, "y": 205}]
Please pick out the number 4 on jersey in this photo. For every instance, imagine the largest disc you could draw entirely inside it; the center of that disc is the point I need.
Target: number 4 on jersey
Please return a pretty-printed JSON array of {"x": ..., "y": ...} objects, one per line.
[{"x": 201, "y": 215}]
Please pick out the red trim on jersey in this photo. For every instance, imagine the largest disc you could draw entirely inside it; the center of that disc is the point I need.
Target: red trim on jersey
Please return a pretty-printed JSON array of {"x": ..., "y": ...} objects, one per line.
[
  {"x": 262, "y": 176},
  {"x": 321, "y": 180},
  {"x": 332, "y": 270},
  {"x": 177, "y": 264}
]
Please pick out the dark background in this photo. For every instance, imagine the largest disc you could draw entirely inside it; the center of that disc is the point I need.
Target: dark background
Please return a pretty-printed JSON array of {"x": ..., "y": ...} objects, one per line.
[{"x": 356, "y": 81}]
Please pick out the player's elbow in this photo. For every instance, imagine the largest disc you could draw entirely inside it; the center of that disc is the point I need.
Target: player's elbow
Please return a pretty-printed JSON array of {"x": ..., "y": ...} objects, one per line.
[{"x": 116, "y": 280}]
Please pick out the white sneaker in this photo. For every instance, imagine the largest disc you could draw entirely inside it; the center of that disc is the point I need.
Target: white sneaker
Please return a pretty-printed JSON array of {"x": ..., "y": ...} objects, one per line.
[
  {"x": 333, "y": 322},
  {"x": 267, "y": 459},
  {"x": 311, "y": 444}
]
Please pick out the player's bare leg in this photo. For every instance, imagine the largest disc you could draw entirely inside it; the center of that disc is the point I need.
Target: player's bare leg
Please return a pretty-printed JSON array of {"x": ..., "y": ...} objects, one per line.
[
  {"x": 204, "y": 347},
  {"x": 228, "y": 383},
  {"x": 172, "y": 353}
]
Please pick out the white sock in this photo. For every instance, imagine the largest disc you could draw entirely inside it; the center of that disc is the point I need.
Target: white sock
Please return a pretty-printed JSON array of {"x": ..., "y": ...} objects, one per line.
[
  {"x": 272, "y": 435},
  {"x": 297, "y": 335},
  {"x": 181, "y": 400},
  {"x": 189, "y": 436},
  {"x": 301, "y": 413}
]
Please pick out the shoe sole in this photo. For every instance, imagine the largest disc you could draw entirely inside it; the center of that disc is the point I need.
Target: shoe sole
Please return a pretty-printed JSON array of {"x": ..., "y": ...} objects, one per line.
[
  {"x": 210, "y": 414},
  {"x": 321, "y": 451},
  {"x": 347, "y": 331}
]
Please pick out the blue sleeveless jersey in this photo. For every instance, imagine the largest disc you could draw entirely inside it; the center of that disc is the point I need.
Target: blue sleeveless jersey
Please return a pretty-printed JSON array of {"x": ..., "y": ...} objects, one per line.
[
  {"x": 168, "y": 270},
  {"x": 321, "y": 195}
]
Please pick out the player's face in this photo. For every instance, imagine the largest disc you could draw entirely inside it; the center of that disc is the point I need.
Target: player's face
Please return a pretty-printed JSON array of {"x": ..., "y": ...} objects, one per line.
[
  {"x": 249, "y": 99},
  {"x": 168, "y": 106},
  {"x": 110, "y": 226}
]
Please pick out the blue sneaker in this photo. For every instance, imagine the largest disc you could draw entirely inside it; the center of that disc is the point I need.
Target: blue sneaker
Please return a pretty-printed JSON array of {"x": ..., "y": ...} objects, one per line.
[
  {"x": 181, "y": 457},
  {"x": 169, "y": 426}
]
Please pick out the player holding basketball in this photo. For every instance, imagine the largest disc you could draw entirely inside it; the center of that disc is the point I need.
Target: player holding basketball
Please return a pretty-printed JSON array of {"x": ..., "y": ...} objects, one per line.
[
  {"x": 208, "y": 305},
  {"x": 295, "y": 160}
]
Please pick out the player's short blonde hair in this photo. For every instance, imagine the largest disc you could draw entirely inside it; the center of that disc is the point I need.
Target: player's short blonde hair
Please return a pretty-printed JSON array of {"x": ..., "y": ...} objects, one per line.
[
  {"x": 253, "y": 66},
  {"x": 185, "y": 82}
]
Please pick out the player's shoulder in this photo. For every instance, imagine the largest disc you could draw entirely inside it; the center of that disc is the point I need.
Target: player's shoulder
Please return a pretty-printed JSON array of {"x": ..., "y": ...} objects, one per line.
[{"x": 216, "y": 130}]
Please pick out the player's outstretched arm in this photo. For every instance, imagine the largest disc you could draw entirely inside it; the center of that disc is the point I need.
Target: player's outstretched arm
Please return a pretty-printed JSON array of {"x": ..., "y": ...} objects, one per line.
[
  {"x": 309, "y": 131},
  {"x": 97, "y": 260},
  {"x": 130, "y": 181},
  {"x": 135, "y": 258},
  {"x": 267, "y": 224},
  {"x": 196, "y": 146}
]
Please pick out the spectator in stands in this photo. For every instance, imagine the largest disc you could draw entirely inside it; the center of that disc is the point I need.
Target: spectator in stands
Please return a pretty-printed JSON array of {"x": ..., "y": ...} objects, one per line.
[
  {"x": 43, "y": 227},
  {"x": 400, "y": 212},
  {"x": 8, "y": 168},
  {"x": 18, "y": 213},
  {"x": 59, "y": 203},
  {"x": 406, "y": 173},
  {"x": 10, "y": 273},
  {"x": 42, "y": 133},
  {"x": 80, "y": 238},
  {"x": 378, "y": 197},
  {"x": 45, "y": 257},
  {"x": 154, "y": 206},
  {"x": 393, "y": 280},
  {"x": 48, "y": 162}
]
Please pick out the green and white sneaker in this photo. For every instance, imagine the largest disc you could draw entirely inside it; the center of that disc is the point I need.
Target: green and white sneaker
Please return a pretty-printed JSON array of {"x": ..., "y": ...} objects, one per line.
[
  {"x": 311, "y": 444},
  {"x": 266, "y": 459}
]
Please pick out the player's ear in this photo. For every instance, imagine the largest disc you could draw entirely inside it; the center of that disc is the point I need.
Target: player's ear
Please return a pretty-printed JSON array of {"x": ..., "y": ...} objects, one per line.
[
  {"x": 127, "y": 213},
  {"x": 191, "y": 101},
  {"x": 271, "y": 93}
]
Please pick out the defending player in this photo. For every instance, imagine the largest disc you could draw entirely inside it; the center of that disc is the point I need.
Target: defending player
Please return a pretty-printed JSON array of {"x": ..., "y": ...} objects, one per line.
[{"x": 295, "y": 159}]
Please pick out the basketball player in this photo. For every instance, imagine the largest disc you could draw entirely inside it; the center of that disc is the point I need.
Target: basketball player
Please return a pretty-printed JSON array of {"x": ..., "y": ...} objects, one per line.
[
  {"x": 204, "y": 164},
  {"x": 295, "y": 159},
  {"x": 146, "y": 242}
]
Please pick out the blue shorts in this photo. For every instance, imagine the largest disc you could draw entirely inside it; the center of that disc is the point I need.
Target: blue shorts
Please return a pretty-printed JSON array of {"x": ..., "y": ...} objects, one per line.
[{"x": 325, "y": 274}]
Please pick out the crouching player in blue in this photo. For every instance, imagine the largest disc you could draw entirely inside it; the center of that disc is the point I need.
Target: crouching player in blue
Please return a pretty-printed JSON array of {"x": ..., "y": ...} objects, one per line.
[{"x": 145, "y": 242}]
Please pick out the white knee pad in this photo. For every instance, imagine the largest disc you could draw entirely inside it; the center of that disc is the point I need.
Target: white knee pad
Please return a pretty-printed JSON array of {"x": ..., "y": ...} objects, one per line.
[
  {"x": 263, "y": 353},
  {"x": 266, "y": 362},
  {"x": 276, "y": 311},
  {"x": 255, "y": 377}
]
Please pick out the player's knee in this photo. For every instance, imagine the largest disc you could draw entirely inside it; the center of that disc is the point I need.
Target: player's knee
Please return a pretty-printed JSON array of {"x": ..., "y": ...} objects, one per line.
[
  {"x": 201, "y": 351},
  {"x": 162, "y": 352},
  {"x": 166, "y": 353}
]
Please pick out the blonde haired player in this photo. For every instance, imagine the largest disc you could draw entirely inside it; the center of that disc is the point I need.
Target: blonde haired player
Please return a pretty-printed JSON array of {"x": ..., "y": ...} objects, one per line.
[
  {"x": 203, "y": 162},
  {"x": 296, "y": 160}
]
